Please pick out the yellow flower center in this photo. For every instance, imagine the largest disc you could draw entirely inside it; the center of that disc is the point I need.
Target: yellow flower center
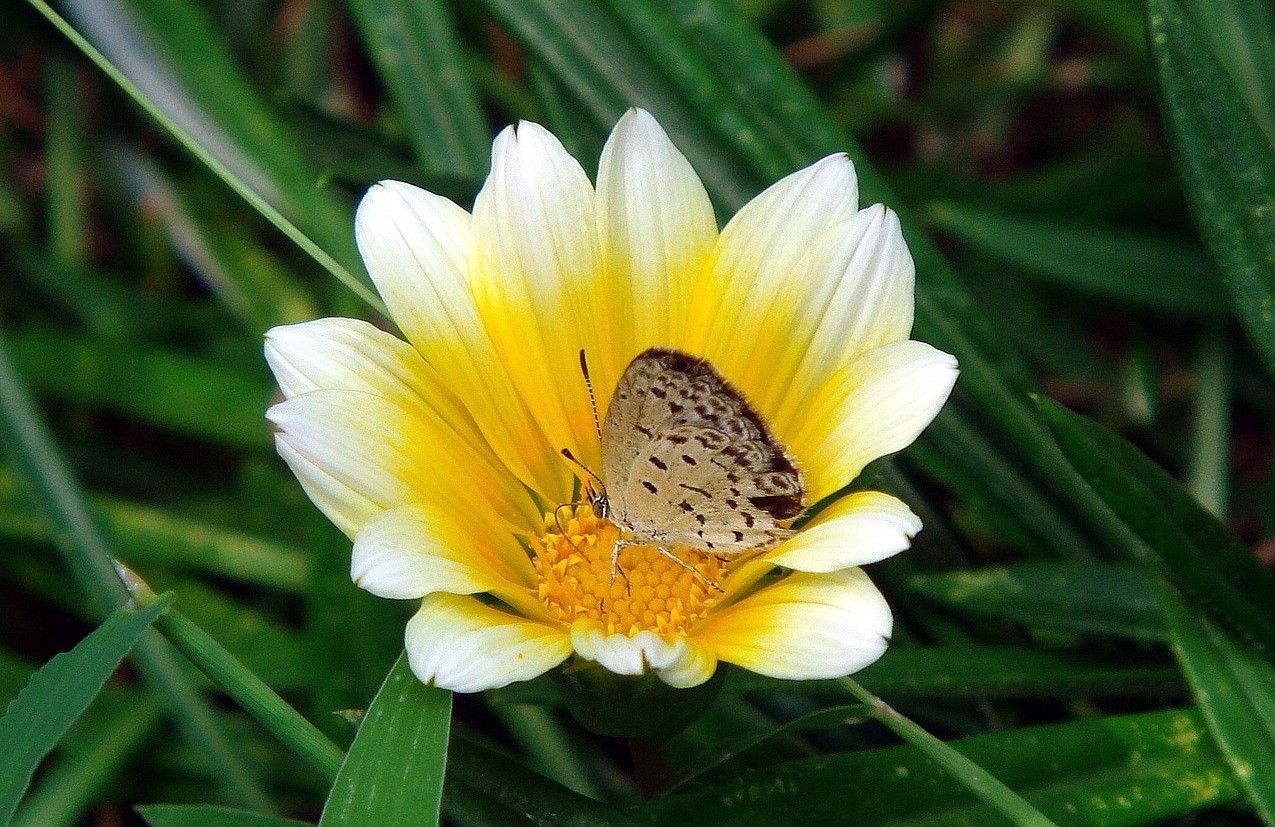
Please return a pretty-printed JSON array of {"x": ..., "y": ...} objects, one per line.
[{"x": 646, "y": 591}]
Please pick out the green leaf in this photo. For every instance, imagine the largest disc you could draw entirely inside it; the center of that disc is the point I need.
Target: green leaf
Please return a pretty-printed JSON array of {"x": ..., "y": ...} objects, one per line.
[
  {"x": 984, "y": 785},
  {"x": 1160, "y": 273},
  {"x": 1227, "y": 164},
  {"x": 1113, "y": 771},
  {"x": 1175, "y": 534},
  {"x": 87, "y": 556},
  {"x": 972, "y": 671},
  {"x": 195, "y": 91},
  {"x": 247, "y": 280},
  {"x": 199, "y": 815},
  {"x": 172, "y": 390},
  {"x": 1235, "y": 689},
  {"x": 414, "y": 46},
  {"x": 393, "y": 773},
  {"x": 72, "y": 784},
  {"x": 199, "y": 83},
  {"x": 593, "y": 57},
  {"x": 486, "y": 787},
  {"x": 248, "y": 690},
  {"x": 1089, "y": 598},
  {"x": 58, "y": 693}
]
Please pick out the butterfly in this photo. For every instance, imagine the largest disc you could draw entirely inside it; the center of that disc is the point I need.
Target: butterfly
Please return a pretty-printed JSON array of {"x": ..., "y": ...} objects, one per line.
[{"x": 687, "y": 461}]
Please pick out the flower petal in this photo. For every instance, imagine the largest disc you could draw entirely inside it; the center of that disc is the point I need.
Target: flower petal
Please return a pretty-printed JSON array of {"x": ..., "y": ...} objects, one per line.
[
  {"x": 656, "y": 227},
  {"x": 415, "y": 550},
  {"x": 358, "y": 454},
  {"x": 872, "y": 407},
  {"x": 804, "y": 627},
  {"x": 851, "y": 294},
  {"x": 858, "y": 529},
  {"x": 536, "y": 278},
  {"x": 416, "y": 246},
  {"x": 757, "y": 250},
  {"x": 350, "y": 354},
  {"x": 464, "y": 645},
  {"x": 677, "y": 661}
]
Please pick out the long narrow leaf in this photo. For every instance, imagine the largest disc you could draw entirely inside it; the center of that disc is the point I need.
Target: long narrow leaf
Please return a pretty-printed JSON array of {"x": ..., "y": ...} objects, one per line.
[
  {"x": 58, "y": 693},
  {"x": 1177, "y": 536},
  {"x": 393, "y": 773},
  {"x": 87, "y": 556},
  {"x": 1227, "y": 164},
  {"x": 1090, "y": 598},
  {"x": 1235, "y": 689},
  {"x": 413, "y": 43},
  {"x": 1160, "y": 273},
  {"x": 985, "y": 786},
  {"x": 198, "y": 815},
  {"x": 1114, "y": 771},
  {"x": 294, "y": 192}
]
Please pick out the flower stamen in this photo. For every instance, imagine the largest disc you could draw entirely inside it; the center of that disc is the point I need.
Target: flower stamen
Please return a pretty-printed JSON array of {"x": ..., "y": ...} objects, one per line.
[{"x": 658, "y": 590}]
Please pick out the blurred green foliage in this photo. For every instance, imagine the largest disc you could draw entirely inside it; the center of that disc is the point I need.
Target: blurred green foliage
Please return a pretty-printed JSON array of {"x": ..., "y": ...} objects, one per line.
[{"x": 1087, "y": 188}]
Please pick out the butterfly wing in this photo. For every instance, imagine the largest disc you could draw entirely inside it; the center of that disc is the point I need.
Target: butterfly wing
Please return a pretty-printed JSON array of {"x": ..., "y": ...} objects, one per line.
[{"x": 687, "y": 461}]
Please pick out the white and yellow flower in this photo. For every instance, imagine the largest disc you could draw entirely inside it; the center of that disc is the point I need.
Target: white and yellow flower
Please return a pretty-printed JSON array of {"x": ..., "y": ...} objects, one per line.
[{"x": 440, "y": 456}]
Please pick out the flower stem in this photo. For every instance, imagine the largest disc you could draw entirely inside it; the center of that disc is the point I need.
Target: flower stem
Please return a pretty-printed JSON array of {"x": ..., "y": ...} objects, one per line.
[{"x": 652, "y": 765}]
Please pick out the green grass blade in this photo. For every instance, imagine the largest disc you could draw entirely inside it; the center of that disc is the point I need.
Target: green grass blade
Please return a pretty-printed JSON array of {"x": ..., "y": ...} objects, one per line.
[
  {"x": 58, "y": 693},
  {"x": 977, "y": 780},
  {"x": 203, "y": 136},
  {"x": 245, "y": 688},
  {"x": 246, "y": 279},
  {"x": 593, "y": 57},
  {"x": 1177, "y": 536},
  {"x": 1116, "y": 771},
  {"x": 1209, "y": 465},
  {"x": 1227, "y": 164},
  {"x": 199, "y": 815},
  {"x": 393, "y": 773},
  {"x": 1088, "y": 598},
  {"x": 975, "y": 671},
  {"x": 1235, "y": 689},
  {"x": 87, "y": 556},
  {"x": 484, "y": 787},
  {"x": 64, "y": 148},
  {"x": 414, "y": 46},
  {"x": 1159, "y": 273},
  {"x": 68, "y": 789},
  {"x": 1241, "y": 35}
]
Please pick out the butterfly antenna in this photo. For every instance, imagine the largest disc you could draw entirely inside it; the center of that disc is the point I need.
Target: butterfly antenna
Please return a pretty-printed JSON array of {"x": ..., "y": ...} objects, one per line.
[
  {"x": 593, "y": 400},
  {"x": 566, "y": 452}
]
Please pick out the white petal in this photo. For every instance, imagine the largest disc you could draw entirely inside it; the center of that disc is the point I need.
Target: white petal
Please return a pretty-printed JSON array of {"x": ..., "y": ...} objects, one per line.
[
  {"x": 537, "y": 280},
  {"x": 415, "y": 550},
  {"x": 757, "y": 251},
  {"x": 417, "y": 249},
  {"x": 853, "y": 293},
  {"x": 358, "y": 454},
  {"x": 858, "y": 529},
  {"x": 350, "y": 354},
  {"x": 874, "y": 406},
  {"x": 804, "y": 627},
  {"x": 678, "y": 664},
  {"x": 657, "y": 228},
  {"x": 464, "y": 645}
]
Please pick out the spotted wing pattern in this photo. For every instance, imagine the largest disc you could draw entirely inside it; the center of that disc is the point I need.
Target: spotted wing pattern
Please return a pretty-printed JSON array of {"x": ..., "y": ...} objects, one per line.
[{"x": 687, "y": 461}]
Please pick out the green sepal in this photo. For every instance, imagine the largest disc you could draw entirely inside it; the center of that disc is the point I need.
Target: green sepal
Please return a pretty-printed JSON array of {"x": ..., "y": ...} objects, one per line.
[{"x": 630, "y": 706}]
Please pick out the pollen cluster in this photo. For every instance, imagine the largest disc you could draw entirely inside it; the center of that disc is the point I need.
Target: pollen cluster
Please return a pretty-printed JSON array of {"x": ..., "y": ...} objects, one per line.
[{"x": 647, "y": 591}]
